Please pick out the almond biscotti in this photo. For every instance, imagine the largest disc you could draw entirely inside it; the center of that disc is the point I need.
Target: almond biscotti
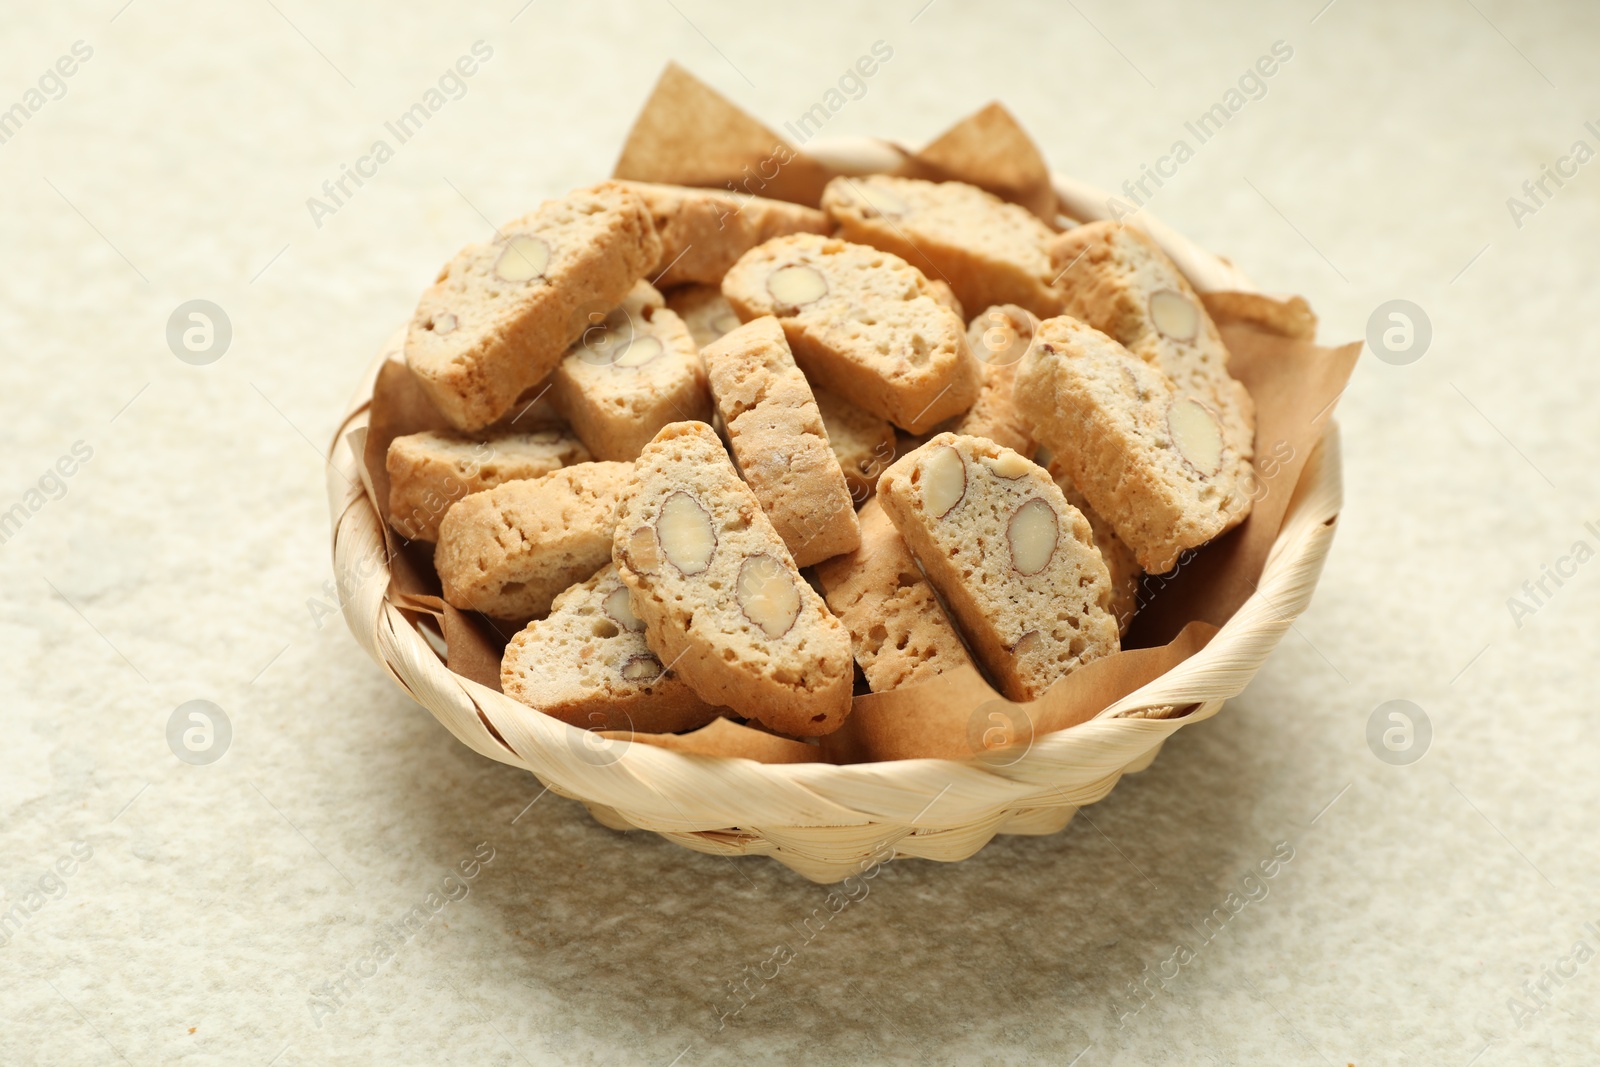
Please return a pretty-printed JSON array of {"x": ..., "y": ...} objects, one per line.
[
  {"x": 778, "y": 441},
  {"x": 1118, "y": 280},
  {"x": 1157, "y": 463},
  {"x": 630, "y": 375},
  {"x": 1016, "y": 563},
  {"x": 998, "y": 337},
  {"x": 898, "y": 631},
  {"x": 1119, "y": 558},
  {"x": 990, "y": 252},
  {"x": 429, "y": 471},
  {"x": 705, "y": 231},
  {"x": 587, "y": 664},
  {"x": 507, "y": 551},
  {"x": 719, "y": 594},
  {"x": 862, "y": 323},
  {"x": 500, "y": 315},
  {"x": 861, "y": 442},
  {"x": 704, "y": 310}
]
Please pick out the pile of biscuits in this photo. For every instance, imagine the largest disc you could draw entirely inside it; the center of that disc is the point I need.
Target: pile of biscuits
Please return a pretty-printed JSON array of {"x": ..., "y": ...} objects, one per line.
[{"x": 720, "y": 455}]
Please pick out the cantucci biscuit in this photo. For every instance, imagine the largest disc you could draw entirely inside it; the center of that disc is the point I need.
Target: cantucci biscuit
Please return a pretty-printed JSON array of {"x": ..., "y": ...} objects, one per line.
[
  {"x": 1119, "y": 558},
  {"x": 1015, "y": 562},
  {"x": 587, "y": 664},
  {"x": 629, "y": 375},
  {"x": 862, "y": 443},
  {"x": 719, "y": 594},
  {"x": 500, "y": 315},
  {"x": 705, "y": 231},
  {"x": 778, "y": 441},
  {"x": 998, "y": 337},
  {"x": 1118, "y": 280},
  {"x": 508, "y": 551},
  {"x": 429, "y": 471},
  {"x": 989, "y": 251},
  {"x": 862, "y": 323},
  {"x": 898, "y": 631},
  {"x": 704, "y": 310},
  {"x": 1156, "y": 463}
]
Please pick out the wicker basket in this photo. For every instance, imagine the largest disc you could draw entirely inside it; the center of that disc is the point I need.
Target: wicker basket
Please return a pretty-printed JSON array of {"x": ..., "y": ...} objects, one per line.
[{"x": 826, "y": 821}]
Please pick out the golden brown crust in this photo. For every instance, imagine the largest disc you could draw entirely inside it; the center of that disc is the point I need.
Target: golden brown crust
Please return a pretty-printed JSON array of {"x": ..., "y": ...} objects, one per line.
[
  {"x": 779, "y": 443},
  {"x": 1106, "y": 417},
  {"x": 1109, "y": 274},
  {"x": 588, "y": 665},
  {"x": 430, "y": 471},
  {"x": 497, "y": 320},
  {"x": 989, "y": 251},
  {"x": 873, "y": 333},
  {"x": 508, "y": 551},
  {"x": 863, "y": 444},
  {"x": 705, "y": 231},
  {"x": 898, "y": 631},
  {"x": 697, "y": 618},
  {"x": 999, "y": 336},
  {"x": 1119, "y": 558},
  {"x": 1016, "y": 563},
  {"x": 630, "y": 375}
]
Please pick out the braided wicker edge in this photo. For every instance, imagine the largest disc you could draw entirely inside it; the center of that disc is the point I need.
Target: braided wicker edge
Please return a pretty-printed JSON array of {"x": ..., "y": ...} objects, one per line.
[{"x": 822, "y": 820}]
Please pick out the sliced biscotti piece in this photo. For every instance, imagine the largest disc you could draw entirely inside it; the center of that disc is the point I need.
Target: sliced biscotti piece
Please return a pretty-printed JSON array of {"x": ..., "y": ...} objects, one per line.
[
  {"x": 704, "y": 310},
  {"x": 1119, "y": 558},
  {"x": 942, "y": 292},
  {"x": 898, "y": 631},
  {"x": 862, "y": 323},
  {"x": 1155, "y": 462},
  {"x": 990, "y": 252},
  {"x": 998, "y": 337},
  {"x": 1015, "y": 562},
  {"x": 778, "y": 441},
  {"x": 1118, "y": 280},
  {"x": 509, "y": 550},
  {"x": 429, "y": 471},
  {"x": 500, "y": 315},
  {"x": 861, "y": 442},
  {"x": 587, "y": 664},
  {"x": 629, "y": 375},
  {"x": 705, "y": 231},
  {"x": 719, "y": 594}
]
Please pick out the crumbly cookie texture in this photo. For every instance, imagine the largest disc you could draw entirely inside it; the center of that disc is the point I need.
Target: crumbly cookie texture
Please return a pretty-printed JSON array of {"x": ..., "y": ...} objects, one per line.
[
  {"x": 990, "y": 252},
  {"x": 1015, "y": 562},
  {"x": 778, "y": 441},
  {"x": 500, "y": 315},
  {"x": 705, "y": 231},
  {"x": 508, "y": 551},
  {"x": 704, "y": 310},
  {"x": 1157, "y": 463},
  {"x": 721, "y": 599},
  {"x": 1119, "y": 558},
  {"x": 630, "y": 374},
  {"x": 942, "y": 292},
  {"x": 588, "y": 665},
  {"x": 998, "y": 337},
  {"x": 862, "y": 443},
  {"x": 898, "y": 631},
  {"x": 863, "y": 323},
  {"x": 1118, "y": 280},
  {"x": 429, "y": 471}
]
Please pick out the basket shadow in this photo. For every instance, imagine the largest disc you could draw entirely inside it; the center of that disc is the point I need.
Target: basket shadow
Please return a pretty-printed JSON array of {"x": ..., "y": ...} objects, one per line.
[{"x": 648, "y": 948}]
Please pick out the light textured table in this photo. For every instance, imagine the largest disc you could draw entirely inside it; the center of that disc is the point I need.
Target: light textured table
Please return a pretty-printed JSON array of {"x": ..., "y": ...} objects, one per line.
[{"x": 187, "y": 560}]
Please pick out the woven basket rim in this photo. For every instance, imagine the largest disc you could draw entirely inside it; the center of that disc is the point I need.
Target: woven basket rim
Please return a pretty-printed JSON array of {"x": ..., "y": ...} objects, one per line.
[{"x": 682, "y": 794}]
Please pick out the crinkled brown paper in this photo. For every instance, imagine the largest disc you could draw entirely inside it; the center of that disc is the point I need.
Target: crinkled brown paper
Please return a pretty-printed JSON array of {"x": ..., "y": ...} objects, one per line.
[{"x": 688, "y": 134}]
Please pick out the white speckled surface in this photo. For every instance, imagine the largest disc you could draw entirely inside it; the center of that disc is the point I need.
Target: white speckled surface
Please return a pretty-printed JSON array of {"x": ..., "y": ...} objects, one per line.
[{"x": 180, "y": 562}]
